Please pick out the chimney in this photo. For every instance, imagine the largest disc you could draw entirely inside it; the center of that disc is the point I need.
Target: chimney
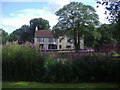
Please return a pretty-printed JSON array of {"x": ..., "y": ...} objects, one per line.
[{"x": 36, "y": 28}]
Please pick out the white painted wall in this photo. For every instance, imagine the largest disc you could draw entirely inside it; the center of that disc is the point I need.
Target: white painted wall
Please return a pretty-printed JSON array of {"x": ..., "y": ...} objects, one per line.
[
  {"x": 63, "y": 43},
  {"x": 81, "y": 44},
  {"x": 46, "y": 42}
]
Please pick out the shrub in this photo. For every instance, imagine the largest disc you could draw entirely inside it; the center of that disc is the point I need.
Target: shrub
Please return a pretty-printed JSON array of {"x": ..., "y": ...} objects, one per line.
[
  {"x": 22, "y": 62},
  {"x": 28, "y": 63},
  {"x": 96, "y": 68},
  {"x": 58, "y": 71}
]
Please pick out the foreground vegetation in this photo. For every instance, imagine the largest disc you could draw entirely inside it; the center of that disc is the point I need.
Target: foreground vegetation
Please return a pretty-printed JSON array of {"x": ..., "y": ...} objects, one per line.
[
  {"x": 58, "y": 85},
  {"x": 28, "y": 63}
]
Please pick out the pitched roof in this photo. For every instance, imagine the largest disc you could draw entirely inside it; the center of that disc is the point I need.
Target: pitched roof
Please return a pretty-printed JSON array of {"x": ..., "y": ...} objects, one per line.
[{"x": 43, "y": 34}]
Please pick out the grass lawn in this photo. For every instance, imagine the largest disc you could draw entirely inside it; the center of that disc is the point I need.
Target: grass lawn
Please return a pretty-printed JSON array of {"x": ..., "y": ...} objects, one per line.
[{"x": 57, "y": 85}]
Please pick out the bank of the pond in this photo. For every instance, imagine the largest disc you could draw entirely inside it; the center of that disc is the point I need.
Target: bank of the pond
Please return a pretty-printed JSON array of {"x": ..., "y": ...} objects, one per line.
[{"x": 22, "y": 84}]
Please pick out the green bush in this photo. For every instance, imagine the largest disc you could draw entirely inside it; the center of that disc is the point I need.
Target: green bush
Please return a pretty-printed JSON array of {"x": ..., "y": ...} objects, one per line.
[
  {"x": 58, "y": 71},
  {"x": 22, "y": 62},
  {"x": 28, "y": 63},
  {"x": 96, "y": 68}
]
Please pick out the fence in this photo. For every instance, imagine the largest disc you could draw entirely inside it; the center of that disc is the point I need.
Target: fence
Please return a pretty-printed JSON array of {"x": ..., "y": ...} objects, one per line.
[{"x": 109, "y": 48}]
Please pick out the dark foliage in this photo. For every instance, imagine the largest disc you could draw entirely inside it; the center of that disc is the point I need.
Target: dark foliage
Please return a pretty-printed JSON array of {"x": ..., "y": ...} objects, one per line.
[{"x": 27, "y": 63}]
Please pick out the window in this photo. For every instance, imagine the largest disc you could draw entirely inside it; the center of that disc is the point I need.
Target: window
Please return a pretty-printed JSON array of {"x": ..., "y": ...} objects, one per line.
[
  {"x": 37, "y": 39},
  {"x": 52, "y": 40},
  {"x": 40, "y": 39},
  {"x": 60, "y": 46},
  {"x": 52, "y": 46},
  {"x": 60, "y": 40},
  {"x": 70, "y": 41},
  {"x": 41, "y": 46},
  {"x": 68, "y": 46}
]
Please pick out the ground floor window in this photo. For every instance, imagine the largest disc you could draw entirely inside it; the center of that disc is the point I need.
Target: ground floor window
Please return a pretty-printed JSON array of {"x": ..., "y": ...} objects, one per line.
[
  {"x": 41, "y": 46},
  {"x": 60, "y": 46},
  {"x": 68, "y": 46},
  {"x": 52, "y": 46}
]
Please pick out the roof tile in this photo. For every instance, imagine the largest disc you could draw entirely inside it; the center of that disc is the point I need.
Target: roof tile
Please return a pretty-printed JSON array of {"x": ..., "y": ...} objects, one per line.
[{"x": 43, "y": 34}]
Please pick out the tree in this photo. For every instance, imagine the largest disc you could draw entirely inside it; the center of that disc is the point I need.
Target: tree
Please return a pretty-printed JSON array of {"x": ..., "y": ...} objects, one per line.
[
  {"x": 11, "y": 38},
  {"x": 74, "y": 19},
  {"x": 27, "y": 32},
  {"x": 107, "y": 36},
  {"x": 40, "y": 23},
  {"x": 92, "y": 37},
  {"x": 23, "y": 32},
  {"x": 3, "y": 35},
  {"x": 113, "y": 9},
  {"x": 57, "y": 31}
]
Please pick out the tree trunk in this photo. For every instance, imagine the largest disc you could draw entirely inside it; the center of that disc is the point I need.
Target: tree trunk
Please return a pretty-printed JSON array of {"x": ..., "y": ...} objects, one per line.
[
  {"x": 118, "y": 46},
  {"x": 75, "y": 43},
  {"x": 97, "y": 47},
  {"x": 78, "y": 42}
]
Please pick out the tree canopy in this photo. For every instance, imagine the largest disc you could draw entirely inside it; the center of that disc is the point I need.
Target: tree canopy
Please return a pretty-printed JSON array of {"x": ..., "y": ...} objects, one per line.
[
  {"x": 26, "y": 32},
  {"x": 113, "y": 9},
  {"x": 107, "y": 37},
  {"x": 75, "y": 19},
  {"x": 3, "y": 36}
]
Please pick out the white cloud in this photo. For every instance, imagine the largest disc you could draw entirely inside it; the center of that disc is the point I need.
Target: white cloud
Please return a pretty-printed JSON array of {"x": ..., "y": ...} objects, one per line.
[
  {"x": 8, "y": 28},
  {"x": 55, "y": 5},
  {"x": 22, "y": 17},
  {"x": 11, "y": 14},
  {"x": 59, "y": 1},
  {"x": 24, "y": 0}
]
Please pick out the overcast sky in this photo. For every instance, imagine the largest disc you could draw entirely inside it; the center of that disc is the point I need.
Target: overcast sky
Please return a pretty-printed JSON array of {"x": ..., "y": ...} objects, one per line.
[{"x": 16, "y": 13}]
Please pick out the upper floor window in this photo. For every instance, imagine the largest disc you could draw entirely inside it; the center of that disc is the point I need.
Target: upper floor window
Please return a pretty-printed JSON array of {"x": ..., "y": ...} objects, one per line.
[
  {"x": 70, "y": 41},
  {"x": 60, "y": 40},
  {"x": 40, "y": 39},
  {"x": 52, "y": 40}
]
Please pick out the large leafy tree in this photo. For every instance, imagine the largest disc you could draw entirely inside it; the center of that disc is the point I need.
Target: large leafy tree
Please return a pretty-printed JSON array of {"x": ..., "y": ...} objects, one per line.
[
  {"x": 107, "y": 36},
  {"x": 23, "y": 32},
  {"x": 11, "y": 38},
  {"x": 74, "y": 20},
  {"x": 40, "y": 23},
  {"x": 92, "y": 37},
  {"x": 27, "y": 32},
  {"x": 7, "y": 37},
  {"x": 3, "y": 36}
]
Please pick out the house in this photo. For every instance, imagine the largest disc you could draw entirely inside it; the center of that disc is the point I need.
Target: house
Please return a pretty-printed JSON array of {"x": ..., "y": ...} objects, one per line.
[
  {"x": 65, "y": 43},
  {"x": 45, "y": 39}
]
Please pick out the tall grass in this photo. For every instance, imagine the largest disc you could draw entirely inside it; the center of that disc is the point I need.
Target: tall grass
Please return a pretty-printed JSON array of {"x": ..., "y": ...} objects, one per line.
[
  {"x": 22, "y": 62},
  {"x": 28, "y": 63}
]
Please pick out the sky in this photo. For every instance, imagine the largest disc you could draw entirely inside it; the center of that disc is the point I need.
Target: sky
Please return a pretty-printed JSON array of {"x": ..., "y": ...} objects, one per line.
[{"x": 15, "y": 13}]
